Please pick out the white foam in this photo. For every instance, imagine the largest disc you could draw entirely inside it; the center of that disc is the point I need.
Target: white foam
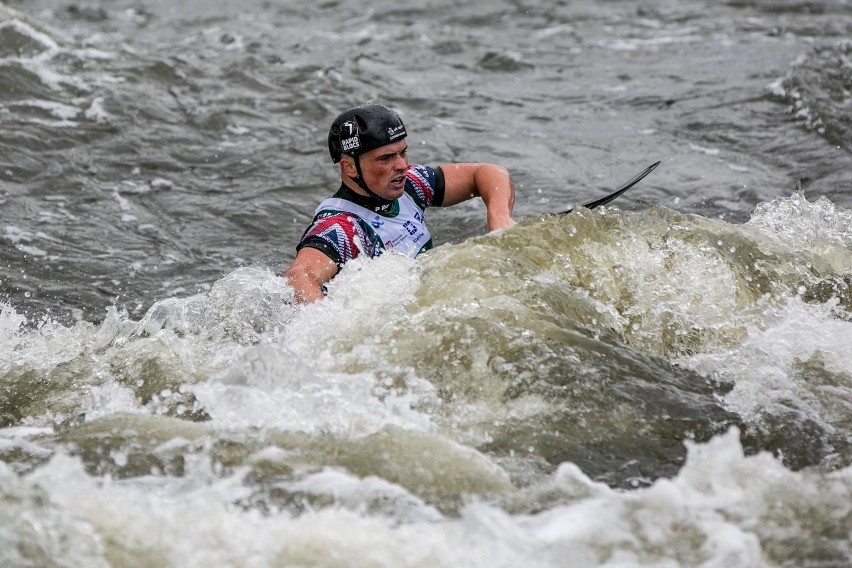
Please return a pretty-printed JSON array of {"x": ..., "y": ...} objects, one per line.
[
  {"x": 805, "y": 226},
  {"x": 704, "y": 149},
  {"x": 723, "y": 509},
  {"x": 15, "y": 234},
  {"x": 96, "y": 111},
  {"x": 363, "y": 494},
  {"x": 766, "y": 368},
  {"x": 59, "y": 110},
  {"x": 22, "y": 28}
]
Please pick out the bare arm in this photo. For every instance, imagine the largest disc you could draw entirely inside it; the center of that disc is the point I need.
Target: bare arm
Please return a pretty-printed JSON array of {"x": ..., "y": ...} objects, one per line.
[
  {"x": 307, "y": 274},
  {"x": 490, "y": 182}
]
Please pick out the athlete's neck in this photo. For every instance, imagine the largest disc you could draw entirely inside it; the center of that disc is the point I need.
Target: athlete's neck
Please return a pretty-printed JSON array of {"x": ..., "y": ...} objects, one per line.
[{"x": 368, "y": 201}]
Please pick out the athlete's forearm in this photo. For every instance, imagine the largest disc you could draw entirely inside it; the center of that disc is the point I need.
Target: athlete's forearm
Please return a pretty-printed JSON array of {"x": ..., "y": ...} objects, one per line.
[
  {"x": 495, "y": 186},
  {"x": 306, "y": 290},
  {"x": 490, "y": 182},
  {"x": 308, "y": 273}
]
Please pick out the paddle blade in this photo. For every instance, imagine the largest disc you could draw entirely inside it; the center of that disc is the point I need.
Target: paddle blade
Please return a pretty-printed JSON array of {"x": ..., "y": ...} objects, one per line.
[{"x": 627, "y": 185}]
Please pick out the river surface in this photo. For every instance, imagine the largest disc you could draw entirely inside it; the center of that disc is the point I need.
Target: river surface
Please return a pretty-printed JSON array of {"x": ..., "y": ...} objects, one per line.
[{"x": 662, "y": 382}]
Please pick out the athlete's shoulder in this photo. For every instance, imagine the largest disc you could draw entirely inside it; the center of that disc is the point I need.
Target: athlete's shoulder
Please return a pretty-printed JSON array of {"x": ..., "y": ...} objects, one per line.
[
  {"x": 343, "y": 232},
  {"x": 425, "y": 184},
  {"x": 330, "y": 216}
]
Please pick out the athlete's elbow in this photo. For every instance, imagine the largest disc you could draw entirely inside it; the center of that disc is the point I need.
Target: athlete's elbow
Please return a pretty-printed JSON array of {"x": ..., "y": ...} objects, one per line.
[{"x": 501, "y": 170}]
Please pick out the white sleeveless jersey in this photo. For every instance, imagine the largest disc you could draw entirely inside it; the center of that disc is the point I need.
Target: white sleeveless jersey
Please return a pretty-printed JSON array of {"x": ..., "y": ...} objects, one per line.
[{"x": 402, "y": 228}]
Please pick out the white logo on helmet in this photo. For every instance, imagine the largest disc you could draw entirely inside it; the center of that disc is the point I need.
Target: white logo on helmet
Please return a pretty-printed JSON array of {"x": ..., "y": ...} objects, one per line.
[
  {"x": 395, "y": 132},
  {"x": 348, "y": 144},
  {"x": 352, "y": 141}
]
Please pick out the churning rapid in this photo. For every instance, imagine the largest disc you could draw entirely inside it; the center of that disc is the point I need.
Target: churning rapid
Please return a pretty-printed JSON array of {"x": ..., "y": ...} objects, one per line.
[{"x": 664, "y": 381}]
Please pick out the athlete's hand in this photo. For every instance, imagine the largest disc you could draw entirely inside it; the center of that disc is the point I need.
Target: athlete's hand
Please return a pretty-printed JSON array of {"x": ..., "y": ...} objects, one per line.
[{"x": 496, "y": 223}]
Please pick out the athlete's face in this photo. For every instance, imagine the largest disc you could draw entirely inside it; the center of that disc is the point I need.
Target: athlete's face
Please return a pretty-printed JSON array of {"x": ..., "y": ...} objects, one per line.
[{"x": 384, "y": 169}]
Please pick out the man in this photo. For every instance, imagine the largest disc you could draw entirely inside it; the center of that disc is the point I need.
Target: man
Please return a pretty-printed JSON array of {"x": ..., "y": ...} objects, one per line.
[{"x": 382, "y": 198}]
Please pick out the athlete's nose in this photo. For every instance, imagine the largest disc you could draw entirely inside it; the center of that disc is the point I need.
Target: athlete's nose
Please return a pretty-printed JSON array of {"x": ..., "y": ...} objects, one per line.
[{"x": 401, "y": 163}]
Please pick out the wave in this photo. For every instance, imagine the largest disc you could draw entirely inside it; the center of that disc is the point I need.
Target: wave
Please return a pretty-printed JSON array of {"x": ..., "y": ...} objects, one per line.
[
  {"x": 621, "y": 331},
  {"x": 817, "y": 90},
  {"x": 722, "y": 508}
]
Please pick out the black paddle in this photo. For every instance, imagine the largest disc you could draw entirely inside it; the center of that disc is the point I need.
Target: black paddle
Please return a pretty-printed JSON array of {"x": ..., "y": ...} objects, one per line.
[{"x": 607, "y": 198}]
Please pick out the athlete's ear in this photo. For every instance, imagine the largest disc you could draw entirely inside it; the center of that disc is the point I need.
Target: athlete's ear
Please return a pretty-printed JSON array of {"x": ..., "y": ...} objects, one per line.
[{"x": 347, "y": 166}]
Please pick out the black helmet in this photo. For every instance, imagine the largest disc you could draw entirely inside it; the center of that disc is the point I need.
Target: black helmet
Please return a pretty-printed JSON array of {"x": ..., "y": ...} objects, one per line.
[{"x": 363, "y": 128}]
